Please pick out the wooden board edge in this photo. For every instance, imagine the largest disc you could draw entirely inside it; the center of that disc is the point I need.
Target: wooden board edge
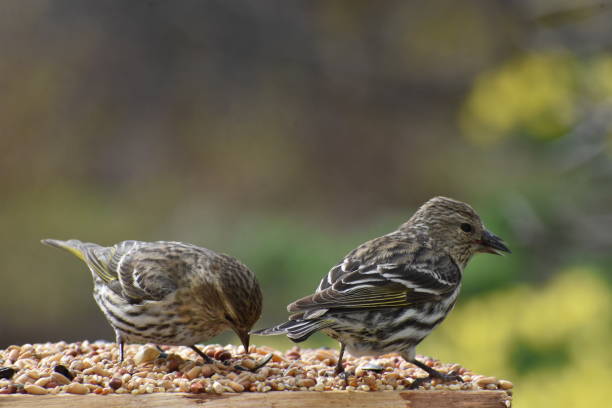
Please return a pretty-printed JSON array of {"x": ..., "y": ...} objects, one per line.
[{"x": 288, "y": 399}]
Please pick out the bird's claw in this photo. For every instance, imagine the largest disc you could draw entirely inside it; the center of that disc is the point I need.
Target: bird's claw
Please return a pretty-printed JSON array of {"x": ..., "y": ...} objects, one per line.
[
  {"x": 343, "y": 373},
  {"x": 340, "y": 374},
  {"x": 450, "y": 377},
  {"x": 453, "y": 376},
  {"x": 262, "y": 362}
]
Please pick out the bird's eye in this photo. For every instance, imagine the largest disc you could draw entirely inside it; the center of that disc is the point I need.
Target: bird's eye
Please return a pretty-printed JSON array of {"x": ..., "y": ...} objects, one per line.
[{"x": 465, "y": 227}]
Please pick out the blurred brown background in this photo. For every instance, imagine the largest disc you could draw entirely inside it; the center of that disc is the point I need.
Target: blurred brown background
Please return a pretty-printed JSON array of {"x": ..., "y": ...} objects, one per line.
[{"x": 286, "y": 133}]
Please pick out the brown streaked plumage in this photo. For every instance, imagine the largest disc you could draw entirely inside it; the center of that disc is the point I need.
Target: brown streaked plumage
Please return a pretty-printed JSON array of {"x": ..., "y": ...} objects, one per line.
[
  {"x": 389, "y": 293},
  {"x": 169, "y": 292}
]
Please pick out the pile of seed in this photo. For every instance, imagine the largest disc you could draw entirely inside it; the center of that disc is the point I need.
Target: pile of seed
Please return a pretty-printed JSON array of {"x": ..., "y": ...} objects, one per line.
[{"x": 84, "y": 368}]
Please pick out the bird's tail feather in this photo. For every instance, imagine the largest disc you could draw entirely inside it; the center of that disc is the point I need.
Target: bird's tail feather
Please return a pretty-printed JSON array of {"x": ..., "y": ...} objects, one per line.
[
  {"x": 95, "y": 256},
  {"x": 296, "y": 330},
  {"x": 75, "y": 247}
]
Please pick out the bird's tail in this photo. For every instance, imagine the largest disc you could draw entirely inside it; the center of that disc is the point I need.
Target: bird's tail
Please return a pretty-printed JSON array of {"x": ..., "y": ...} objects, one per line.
[
  {"x": 74, "y": 246},
  {"x": 296, "y": 330},
  {"x": 95, "y": 256}
]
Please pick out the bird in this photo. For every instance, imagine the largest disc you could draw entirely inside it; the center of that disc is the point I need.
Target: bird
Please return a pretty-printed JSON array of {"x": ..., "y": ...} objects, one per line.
[
  {"x": 388, "y": 294},
  {"x": 168, "y": 292}
]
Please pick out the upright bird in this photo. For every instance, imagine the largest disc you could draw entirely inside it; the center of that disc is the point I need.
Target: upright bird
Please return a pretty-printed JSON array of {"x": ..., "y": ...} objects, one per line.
[
  {"x": 389, "y": 293},
  {"x": 169, "y": 292}
]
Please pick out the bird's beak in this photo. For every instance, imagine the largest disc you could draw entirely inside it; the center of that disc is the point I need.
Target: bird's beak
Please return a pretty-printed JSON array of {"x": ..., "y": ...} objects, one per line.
[
  {"x": 244, "y": 338},
  {"x": 492, "y": 244}
]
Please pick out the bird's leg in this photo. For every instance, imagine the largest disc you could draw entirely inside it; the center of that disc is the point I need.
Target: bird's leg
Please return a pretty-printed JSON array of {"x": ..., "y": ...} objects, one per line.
[
  {"x": 207, "y": 359},
  {"x": 120, "y": 343},
  {"x": 432, "y": 374},
  {"x": 340, "y": 367}
]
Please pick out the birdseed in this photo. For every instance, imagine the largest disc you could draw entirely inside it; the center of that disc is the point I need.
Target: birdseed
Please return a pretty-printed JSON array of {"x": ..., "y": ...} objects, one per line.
[
  {"x": 63, "y": 371},
  {"x": 7, "y": 372},
  {"x": 85, "y": 367}
]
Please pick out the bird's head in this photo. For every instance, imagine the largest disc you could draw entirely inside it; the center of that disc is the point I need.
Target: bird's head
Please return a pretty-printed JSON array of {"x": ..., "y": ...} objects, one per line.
[
  {"x": 455, "y": 228},
  {"x": 242, "y": 331},
  {"x": 243, "y": 303}
]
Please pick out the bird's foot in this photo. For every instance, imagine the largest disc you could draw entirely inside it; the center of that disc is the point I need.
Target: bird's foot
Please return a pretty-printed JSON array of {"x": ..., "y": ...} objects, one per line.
[
  {"x": 263, "y": 361},
  {"x": 340, "y": 372},
  {"x": 450, "y": 377},
  {"x": 258, "y": 364},
  {"x": 207, "y": 359}
]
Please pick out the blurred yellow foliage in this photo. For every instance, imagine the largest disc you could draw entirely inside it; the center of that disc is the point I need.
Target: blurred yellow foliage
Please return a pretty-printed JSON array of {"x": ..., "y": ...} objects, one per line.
[
  {"x": 534, "y": 93},
  {"x": 571, "y": 314},
  {"x": 598, "y": 78}
]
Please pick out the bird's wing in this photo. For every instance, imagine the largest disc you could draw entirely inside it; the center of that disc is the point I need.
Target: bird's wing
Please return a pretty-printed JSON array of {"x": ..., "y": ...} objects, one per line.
[
  {"x": 382, "y": 250},
  {"x": 134, "y": 270},
  {"x": 147, "y": 270},
  {"x": 386, "y": 285}
]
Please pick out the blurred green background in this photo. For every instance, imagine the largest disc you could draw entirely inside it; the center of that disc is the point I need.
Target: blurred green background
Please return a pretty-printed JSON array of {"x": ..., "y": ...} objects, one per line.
[{"x": 287, "y": 133}]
